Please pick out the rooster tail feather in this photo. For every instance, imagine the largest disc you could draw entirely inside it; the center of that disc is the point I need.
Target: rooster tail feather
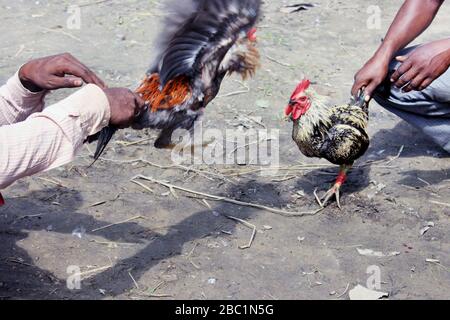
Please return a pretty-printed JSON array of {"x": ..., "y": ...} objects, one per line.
[
  {"x": 103, "y": 139},
  {"x": 178, "y": 13},
  {"x": 199, "y": 33}
]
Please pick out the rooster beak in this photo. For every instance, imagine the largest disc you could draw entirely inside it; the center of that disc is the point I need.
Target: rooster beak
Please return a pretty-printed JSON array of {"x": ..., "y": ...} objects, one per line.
[
  {"x": 287, "y": 119},
  {"x": 288, "y": 111}
]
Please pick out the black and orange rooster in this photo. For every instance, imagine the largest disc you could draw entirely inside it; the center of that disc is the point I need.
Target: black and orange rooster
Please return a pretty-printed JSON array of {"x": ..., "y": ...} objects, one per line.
[
  {"x": 201, "y": 42},
  {"x": 338, "y": 134}
]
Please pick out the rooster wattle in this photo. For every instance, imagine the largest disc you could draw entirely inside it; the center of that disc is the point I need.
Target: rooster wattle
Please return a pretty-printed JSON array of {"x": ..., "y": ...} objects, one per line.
[
  {"x": 202, "y": 41},
  {"x": 338, "y": 134}
]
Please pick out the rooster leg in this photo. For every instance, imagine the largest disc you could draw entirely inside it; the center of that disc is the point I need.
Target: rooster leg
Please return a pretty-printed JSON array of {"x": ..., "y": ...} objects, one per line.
[{"x": 335, "y": 190}]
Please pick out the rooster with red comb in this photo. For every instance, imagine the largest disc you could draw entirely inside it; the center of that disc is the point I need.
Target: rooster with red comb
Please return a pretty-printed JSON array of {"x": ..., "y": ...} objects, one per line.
[{"x": 338, "y": 134}]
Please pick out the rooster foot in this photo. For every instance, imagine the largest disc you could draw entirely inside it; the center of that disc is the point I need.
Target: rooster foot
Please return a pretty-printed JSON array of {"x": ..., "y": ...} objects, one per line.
[
  {"x": 333, "y": 192},
  {"x": 336, "y": 190}
]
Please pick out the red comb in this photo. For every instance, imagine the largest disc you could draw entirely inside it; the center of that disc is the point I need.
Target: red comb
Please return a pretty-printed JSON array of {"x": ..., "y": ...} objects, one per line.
[
  {"x": 304, "y": 85},
  {"x": 251, "y": 35}
]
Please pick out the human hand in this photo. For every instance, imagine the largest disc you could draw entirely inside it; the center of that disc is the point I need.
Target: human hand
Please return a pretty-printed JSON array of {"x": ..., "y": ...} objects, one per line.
[
  {"x": 125, "y": 106},
  {"x": 370, "y": 76},
  {"x": 56, "y": 72},
  {"x": 422, "y": 66}
]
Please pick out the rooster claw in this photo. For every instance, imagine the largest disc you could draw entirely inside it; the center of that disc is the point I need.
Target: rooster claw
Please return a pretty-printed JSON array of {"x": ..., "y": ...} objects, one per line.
[{"x": 335, "y": 191}]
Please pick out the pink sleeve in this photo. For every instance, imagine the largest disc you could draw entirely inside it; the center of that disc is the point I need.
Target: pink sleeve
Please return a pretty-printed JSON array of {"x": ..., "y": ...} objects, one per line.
[
  {"x": 17, "y": 102},
  {"x": 53, "y": 137}
]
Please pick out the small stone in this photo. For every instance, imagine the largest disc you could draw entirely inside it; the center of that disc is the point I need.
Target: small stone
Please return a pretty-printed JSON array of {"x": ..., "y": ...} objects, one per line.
[
  {"x": 426, "y": 228},
  {"x": 263, "y": 104},
  {"x": 301, "y": 193},
  {"x": 79, "y": 232},
  {"x": 169, "y": 277},
  {"x": 216, "y": 214}
]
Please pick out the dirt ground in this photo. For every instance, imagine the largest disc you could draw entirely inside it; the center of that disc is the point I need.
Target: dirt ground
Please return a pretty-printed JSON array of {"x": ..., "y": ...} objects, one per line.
[{"x": 180, "y": 249}]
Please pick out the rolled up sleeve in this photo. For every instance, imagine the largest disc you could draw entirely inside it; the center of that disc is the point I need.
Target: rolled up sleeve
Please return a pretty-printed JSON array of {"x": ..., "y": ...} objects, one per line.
[
  {"x": 17, "y": 103},
  {"x": 53, "y": 137}
]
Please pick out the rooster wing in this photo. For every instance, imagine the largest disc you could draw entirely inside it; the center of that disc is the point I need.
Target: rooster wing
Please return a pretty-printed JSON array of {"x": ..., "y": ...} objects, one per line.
[
  {"x": 190, "y": 63},
  {"x": 347, "y": 139}
]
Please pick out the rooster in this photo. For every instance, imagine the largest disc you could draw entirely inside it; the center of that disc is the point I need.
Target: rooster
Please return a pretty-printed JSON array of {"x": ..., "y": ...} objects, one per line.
[
  {"x": 202, "y": 41},
  {"x": 338, "y": 134}
]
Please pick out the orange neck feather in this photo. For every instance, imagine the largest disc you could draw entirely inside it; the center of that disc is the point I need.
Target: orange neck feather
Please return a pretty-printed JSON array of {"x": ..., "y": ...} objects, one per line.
[{"x": 175, "y": 92}]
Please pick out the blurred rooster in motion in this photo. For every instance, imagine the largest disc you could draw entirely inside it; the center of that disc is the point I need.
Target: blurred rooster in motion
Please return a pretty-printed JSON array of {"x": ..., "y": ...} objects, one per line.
[
  {"x": 338, "y": 134},
  {"x": 201, "y": 42}
]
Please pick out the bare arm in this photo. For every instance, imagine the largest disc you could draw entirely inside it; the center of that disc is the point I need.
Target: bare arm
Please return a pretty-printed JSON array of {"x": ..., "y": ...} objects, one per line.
[{"x": 413, "y": 18}]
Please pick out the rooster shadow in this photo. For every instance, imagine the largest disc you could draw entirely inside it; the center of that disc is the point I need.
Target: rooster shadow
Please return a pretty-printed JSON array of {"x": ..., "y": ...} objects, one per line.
[{"x": 21, "y": 278}]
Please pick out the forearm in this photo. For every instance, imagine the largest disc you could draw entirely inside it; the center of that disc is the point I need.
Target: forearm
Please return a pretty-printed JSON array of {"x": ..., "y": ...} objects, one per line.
[
  {"x": 53, "y": 137},
  {"x": 37, "y": 145},
  {"x": 17, "y": 102},
  {"x": 413, "y": 18}
]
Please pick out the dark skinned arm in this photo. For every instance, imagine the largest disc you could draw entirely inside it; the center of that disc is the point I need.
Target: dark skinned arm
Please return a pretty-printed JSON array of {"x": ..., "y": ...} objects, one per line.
[{"x": 413, "y": 18}]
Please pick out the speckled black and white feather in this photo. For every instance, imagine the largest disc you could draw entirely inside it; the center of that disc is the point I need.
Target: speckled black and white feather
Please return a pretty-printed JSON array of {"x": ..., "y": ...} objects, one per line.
[
  {"x": 337, "y": 134},
  {"x": 196, "y": 41},
  {"x": 198, "y": 35}
]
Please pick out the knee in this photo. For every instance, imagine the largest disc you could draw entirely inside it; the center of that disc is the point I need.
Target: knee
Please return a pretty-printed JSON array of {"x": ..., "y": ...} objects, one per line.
[
  {"x": 386, "y": 94},
  {"x": 394, "y": 63}
]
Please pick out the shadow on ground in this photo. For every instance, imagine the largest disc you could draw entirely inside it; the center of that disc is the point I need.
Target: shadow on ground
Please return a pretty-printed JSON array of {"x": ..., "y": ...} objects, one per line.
[{"x": 20, "y": 278}]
